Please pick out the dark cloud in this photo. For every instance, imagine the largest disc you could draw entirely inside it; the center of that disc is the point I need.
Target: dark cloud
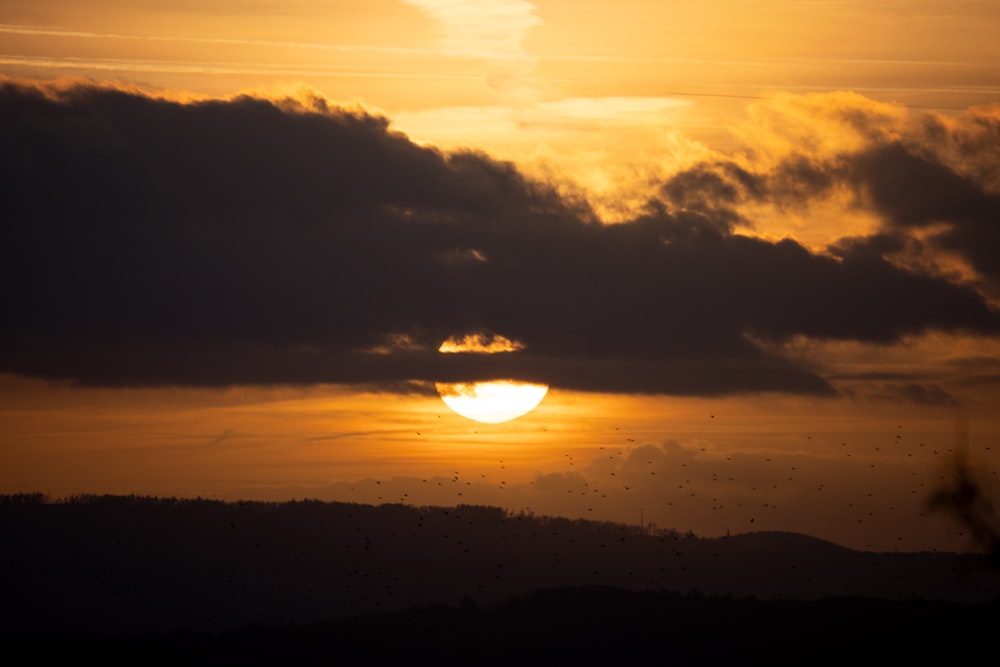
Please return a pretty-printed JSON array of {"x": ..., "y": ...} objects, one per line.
[
  {"x": 714, "y": 189},
  {"x": 911, "y": 190},
  {"x": 151, "y": 242},
  {"x": 892, "y": 387},
  {"x": 971, "y": 145},
  {"x": 924, "y": 394},
  {"x": 936, "y": 183}
]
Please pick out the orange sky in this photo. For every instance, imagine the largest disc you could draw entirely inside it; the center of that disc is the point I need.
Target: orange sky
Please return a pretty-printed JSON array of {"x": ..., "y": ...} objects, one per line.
[{"x": 606, "y": 102}]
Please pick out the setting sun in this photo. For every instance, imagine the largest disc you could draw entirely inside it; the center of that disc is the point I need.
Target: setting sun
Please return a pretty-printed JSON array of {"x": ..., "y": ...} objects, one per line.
[{"x": 492, "y": 402}]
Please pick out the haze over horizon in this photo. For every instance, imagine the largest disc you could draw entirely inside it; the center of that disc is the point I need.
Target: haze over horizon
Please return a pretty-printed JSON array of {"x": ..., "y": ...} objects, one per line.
[{"x": 753, "y": 255}]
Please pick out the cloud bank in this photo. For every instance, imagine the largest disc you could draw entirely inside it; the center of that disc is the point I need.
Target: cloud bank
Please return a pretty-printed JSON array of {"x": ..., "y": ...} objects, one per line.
[{"x": 150, "y": 242}]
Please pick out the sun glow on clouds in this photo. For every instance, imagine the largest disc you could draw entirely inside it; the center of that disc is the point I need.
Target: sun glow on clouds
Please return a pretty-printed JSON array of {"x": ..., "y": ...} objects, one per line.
[
  {"x": 565, "y": 142},
  {"x": 481, "y": 343}
]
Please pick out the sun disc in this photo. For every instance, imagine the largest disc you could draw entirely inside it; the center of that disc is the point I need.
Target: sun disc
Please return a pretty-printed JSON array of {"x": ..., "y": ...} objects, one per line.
[{"x": 492, "y": 402}]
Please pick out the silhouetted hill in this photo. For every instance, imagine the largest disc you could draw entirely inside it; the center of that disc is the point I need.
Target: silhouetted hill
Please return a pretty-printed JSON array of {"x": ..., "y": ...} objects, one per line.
[{"x": 114, "y": 566}]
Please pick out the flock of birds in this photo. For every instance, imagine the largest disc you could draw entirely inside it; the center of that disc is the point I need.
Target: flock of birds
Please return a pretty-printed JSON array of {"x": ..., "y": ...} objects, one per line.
[{"x": 882, "y": 489}]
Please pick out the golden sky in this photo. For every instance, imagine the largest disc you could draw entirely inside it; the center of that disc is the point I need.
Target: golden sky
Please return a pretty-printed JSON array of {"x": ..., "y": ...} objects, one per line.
[{"x": 752, "y": 247}]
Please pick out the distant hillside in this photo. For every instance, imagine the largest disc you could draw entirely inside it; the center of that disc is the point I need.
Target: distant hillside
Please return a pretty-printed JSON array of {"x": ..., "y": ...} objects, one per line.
[{"x": 111, "y": 564}]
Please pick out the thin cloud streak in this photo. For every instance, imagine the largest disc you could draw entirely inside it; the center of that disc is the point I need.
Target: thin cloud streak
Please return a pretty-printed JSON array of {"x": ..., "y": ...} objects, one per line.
[
  {"x": 754, "y": 62},
  {"x": 497, "y": 54},
  {"x": 209, "y": 68},
  {"x": 311, "y": 46}
]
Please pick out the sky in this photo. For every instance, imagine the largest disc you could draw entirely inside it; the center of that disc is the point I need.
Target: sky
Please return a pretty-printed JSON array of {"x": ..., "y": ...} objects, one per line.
[{"x": 751, "y": 248}]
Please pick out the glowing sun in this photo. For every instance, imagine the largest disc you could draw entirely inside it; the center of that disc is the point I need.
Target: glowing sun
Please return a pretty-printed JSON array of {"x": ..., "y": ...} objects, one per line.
[{"x": 493, "y": 401}]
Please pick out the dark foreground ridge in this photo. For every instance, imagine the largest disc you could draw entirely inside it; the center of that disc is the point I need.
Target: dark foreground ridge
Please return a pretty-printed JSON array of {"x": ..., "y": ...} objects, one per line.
[
  {"x": 195, "y": 571},
  {"x": 587, "y": 625}
]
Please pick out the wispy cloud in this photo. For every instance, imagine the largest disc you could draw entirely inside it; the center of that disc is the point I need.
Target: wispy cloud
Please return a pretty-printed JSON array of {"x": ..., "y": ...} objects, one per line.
[
  {"x": 40, "y": 31},
  {"x": 217, "y": 68},
  {"x": 492, "y": 29}
]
